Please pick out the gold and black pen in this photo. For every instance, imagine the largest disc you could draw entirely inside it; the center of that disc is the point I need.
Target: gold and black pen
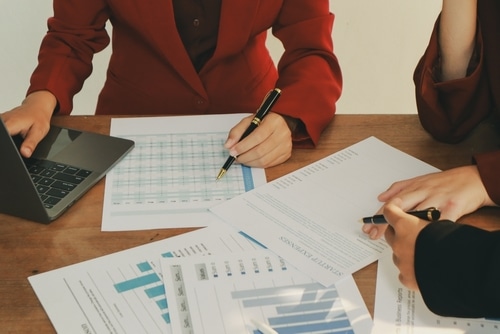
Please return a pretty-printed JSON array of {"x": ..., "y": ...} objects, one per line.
[
  {"x": 263, "y": 110},
  {"x": 430, "y": 214}
]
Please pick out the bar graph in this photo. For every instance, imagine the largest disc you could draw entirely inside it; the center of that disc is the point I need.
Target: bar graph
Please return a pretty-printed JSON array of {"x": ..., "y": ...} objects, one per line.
[
  {"x": 230, "y": 293},
  {"x": 307, "y": 308},
  {"x": 151, "y": 285}
]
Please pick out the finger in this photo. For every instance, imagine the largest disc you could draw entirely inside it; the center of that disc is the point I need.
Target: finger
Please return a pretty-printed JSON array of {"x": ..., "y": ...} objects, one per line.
[
  {"x": 392, "y": 191},
  {"x": 393, "y": 213},
  {"x": 390, "y": 234},
  {"x": 34, "y": 135},
  {"x": 395, "y": 260},
  {"x": 272, "y": 137},
  {"x": 407, "y": 282},
  {"x": 236, "y": 132},
  {"x": 450, "y": 212},
  {"x": 269, "y": 153},
  {"x": 374, "y": 231}
]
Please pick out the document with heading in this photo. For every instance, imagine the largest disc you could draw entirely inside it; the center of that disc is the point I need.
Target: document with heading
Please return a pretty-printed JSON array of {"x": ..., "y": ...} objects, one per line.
[
  {"x": 311, "y": 217},
  {"x": 241, "y": 292},
  {"x": 124, "y": 292},
  {"x": 169, "y": 178},
  {"x": 400, "y": 310}
]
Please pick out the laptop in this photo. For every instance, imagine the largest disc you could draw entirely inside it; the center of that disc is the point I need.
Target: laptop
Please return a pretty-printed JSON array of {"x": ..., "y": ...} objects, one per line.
[{"x": 64, "y": 166}]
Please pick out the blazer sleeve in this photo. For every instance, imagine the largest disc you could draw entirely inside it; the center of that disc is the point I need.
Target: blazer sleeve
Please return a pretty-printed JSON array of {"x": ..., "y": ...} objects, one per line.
[
  {"x": 309, "y": 72},
  {"x": 450, "y": 110},
  {"x": 67, "y": 50},
  {"x": 458, "y": 269}
]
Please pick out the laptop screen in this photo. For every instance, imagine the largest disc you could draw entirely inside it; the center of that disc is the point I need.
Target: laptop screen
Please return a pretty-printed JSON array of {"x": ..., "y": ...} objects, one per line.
[{"x": 53, "y": 143}]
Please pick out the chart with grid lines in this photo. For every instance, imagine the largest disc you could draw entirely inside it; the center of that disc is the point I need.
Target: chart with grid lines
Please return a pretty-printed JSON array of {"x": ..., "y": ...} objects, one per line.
[
  {"x": 177, "y": 171},
  {"x": 168, "y": 179}
]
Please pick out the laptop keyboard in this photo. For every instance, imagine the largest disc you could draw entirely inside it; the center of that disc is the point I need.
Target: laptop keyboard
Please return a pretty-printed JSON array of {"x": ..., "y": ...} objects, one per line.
[{"x": 54, "y": 180}]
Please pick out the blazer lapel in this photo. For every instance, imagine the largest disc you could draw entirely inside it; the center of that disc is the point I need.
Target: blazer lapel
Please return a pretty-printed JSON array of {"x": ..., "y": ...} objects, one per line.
[{"x": 236, "y": 22}]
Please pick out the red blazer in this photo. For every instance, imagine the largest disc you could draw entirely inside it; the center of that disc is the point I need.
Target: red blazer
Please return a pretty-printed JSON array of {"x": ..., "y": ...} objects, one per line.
[{"x": 151, "y": 73}]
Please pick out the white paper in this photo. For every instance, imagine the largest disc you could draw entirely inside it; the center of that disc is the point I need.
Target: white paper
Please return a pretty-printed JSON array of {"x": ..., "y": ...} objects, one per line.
[
  {"x": 124, "y": 292},
  {"x": 169, "y": 178},
  {"x": 311, "y": 217},
  {"x": 227, "y": 293},
  {"x": 402, "y": 311}
]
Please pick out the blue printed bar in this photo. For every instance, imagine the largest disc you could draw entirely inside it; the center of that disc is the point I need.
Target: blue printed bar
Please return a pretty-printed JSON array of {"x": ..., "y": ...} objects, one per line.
[
  {"x": 166, "y": 317},
  {"x": 340, "y": 327},
  {"x": 295, "y": 289},
  {"x": 144, "y": 266},
  {"x": 247, "y": 178},
  {"x": 270, "y": 301},
  {"x": 155, "y": 291},
  {"x": 162, "y": 304},
  {"x": 308, "y": 317},
  {"x": 168, "y": 254},
  {"x": 137, "y": 282},
  {"x": 305, "y": 307}
]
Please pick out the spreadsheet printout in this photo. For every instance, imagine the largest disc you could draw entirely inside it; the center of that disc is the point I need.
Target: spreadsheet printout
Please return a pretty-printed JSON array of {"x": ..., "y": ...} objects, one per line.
[{"x": 169, "y": 178}]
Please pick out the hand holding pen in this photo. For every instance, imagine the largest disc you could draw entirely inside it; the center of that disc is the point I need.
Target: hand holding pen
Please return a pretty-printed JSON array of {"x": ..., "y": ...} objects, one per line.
[
  {"x": 429, "y": 214},
  {"x": 401, "y": 235},
  {"x": 262, "y": 111}
]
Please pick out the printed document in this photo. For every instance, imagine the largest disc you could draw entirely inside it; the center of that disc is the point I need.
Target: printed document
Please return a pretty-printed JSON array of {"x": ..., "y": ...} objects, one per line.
[
  {"x": 311, "y": 217},
  {"x": 169, "y": 178},
  {"x": 399, "y": 310},
  {"x": 124, "y": 292},
  {"x": 231, "y": 293}
]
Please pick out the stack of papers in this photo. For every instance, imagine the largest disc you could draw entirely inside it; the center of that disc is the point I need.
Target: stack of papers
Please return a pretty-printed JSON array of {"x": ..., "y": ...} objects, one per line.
[{"x": 279, "y": 254}]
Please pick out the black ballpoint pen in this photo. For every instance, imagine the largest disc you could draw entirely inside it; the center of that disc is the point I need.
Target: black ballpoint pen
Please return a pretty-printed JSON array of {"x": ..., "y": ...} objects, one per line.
[
  {"x": 430, "y": 214},
  {"x": 263, "y": 110}
]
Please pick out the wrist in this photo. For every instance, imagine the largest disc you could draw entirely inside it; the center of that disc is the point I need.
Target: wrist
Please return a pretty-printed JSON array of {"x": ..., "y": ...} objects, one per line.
[{"x": 43, "y": 99}]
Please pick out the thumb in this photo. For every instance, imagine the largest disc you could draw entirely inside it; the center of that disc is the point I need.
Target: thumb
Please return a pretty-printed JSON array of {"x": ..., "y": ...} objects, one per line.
[{"x": 393, "y": 212}]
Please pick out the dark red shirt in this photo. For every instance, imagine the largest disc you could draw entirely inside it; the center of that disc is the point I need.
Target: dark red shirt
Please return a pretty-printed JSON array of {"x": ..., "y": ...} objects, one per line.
[{"x": 197, "y": 22}]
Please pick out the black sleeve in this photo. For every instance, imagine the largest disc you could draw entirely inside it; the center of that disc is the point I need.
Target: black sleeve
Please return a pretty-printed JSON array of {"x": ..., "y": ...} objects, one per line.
[{"x": 458, "y": 270}]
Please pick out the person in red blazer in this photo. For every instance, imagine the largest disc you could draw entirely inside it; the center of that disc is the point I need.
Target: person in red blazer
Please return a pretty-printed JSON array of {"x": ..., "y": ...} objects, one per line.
[
  {"x": 183, "y": 57},
  {"x": 456, "y": 267}
]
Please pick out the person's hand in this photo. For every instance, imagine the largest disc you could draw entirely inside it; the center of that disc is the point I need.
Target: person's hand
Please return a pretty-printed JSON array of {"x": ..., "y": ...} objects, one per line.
[
  {"x": 455, "y": 192},
  {"x": 268, "y": 145},
  {"x": 401, "y": 234},
  {"x": 31, "y": 120}
]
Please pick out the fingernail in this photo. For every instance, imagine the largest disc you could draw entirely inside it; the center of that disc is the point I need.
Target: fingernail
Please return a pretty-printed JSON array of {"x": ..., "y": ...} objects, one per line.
[
  {"x": 366, "y": 228},
  {"x": 233, "y": 153},
  {"x": 373, "y": 233},
  {"x": 27, "y": 152}
]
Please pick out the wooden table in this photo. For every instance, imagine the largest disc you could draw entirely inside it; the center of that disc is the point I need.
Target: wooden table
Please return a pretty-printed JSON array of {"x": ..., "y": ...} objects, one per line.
[{"x": 28, "y": 248}]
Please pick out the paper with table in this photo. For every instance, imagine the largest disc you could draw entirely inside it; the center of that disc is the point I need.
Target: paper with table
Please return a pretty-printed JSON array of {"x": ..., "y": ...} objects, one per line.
[
  {"x": 124, "y": 292},
  {"x": 168, "y": 179},
  {"x": 311, "y": 217},
  {"x": 402, "y": 311},
  {"x": 227, "y": 293}
]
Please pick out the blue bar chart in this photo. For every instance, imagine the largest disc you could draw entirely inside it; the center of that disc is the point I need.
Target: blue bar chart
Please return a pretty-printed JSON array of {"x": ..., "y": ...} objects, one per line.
[
  {"x": 308, "y": 308},
  {"x": 151, "y": 285},
  {"x": 242, "y": 293}
]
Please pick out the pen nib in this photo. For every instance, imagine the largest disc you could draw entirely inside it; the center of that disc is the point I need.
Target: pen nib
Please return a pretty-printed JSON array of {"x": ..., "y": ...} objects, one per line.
[{"x": 221, "y": 174}]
